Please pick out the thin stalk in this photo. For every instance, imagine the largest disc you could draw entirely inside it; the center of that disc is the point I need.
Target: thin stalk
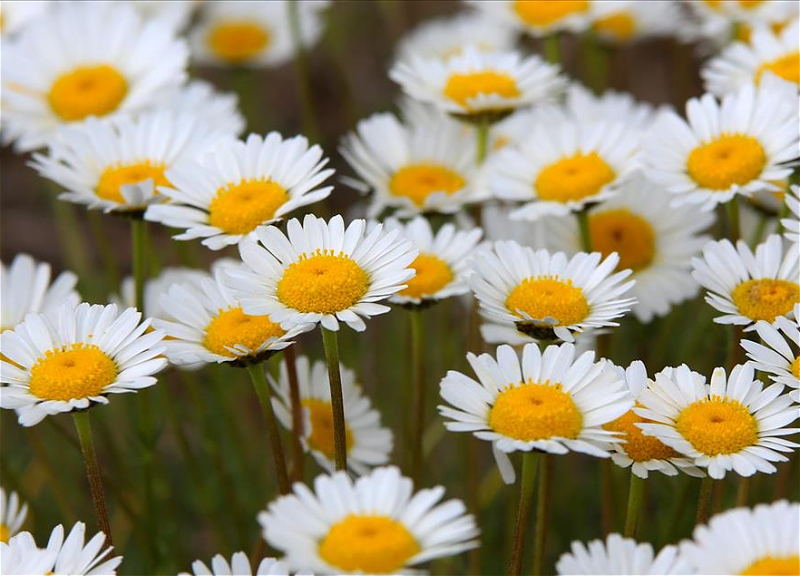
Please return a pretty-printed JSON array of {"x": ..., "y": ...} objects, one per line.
[
  {"x": 261, "y": 386},
  {"x": 297, "y": 414},
  {"x": 482, "y": 133},
  {"x": 583, "y": 226},
  {"x": 303, "y": 74},
  {"x": 331, "y": 343},
  {"x": 734, "y": 229},
  {"x": 704, "y": 500},
  {"x": 552, "y": 48},
  {"x": 418, "y": 409},
  {"x": 530, "y": 462},
  {"x": 84, "y": 428},
  {"x": 542, "y": 513},
  {"x": 595, "y": 58},
  {"x": 743, "y": 492},
  {"x": 636, "y": 491}
]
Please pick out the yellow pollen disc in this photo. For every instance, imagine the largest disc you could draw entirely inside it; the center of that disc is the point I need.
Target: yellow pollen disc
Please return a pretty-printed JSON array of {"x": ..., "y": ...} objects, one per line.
[
  {"x": 717, "y": 426},
  {"x": 463, "y": 87},
  {"x": 534, "y": 411},
  {"x": 233, "y": 327},
  {"x": 627, "y": 234},
  {"x": 239, "y": 208},
  {"x": 789, "y": 565},
  {"x": 237, "y": 42},
  {"x": 368, "y": 544},
  {"x": 72, "y": 372},
  {"x": 321, "y": 417},
  {"x": 545, "y": 296},
  {"x": 322, "y": 283},
  {"x": 87, "y": 91},
  {"x": 750, "y": 4},
  {"x": 433, "y": 274},
  {"x": 574, "y": 178},
  {"x": 5, "y": 533},
  {"x": 786, "y": 67},
  {"x": 419, "y": 181},
  {"x": 114, "y": 178},
  {"x": 795, "y": 367},
  {"x": 638, "y": 447},
  {"x": 728, "y": 160},
  {"x": 547, "y": 12},
  {"x": 765, "y": 299},
  {"x": 620, "y": 26}
]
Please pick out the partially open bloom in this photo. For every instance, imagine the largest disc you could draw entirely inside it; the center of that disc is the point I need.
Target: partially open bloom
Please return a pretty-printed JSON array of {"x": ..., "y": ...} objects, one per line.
[
  {"x": 733, "y": 423},
  {"x": 225, "y": 193},
  {"x": 791, "y": 225},
  {"x": 75, "y": 359},
  {"x": 620, "y": 556},
  {"x": 539, "y": 17},
  {"x": 321, "y": 272},
  {"x": 548, "y": 401},
  {"x": 12, "y": 515},
  {"x": 779, "y": 353},
  {"x": 374, "y": 525},
  {"x": 622, "y": 22},
  {"x": 238, "y": 566}
]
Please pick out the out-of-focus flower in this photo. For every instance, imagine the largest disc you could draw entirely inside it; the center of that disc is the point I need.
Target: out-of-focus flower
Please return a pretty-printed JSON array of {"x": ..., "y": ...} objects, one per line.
[
  {"x": 239, "y": 566},
  {"x": 12, "y": 515},
  {"x": 218, "y": 110},
  {"x": 621, "y": 22},
  {"x": 620, "y": 556},
  {"x": 539, "y": 17}
]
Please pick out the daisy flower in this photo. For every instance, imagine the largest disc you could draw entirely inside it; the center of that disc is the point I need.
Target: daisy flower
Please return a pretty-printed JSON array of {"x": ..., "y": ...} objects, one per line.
[
  {"x": 779, "y": 353},
  {"x": 368, "y": 443},
  {"x": 652, "y": 238},
  {"x": 622, "y": 22},
  {"x": 253, "y": 34},
  {"x": 219, "y": 110},
  {"x": 479, "y": 84},
  {"x": 747, "y": 287},
  {"x": 791, "y": 225},
  {"x": 738, "y": 146},
  {"x": 619, "y": 556},
  {"x": 76, "y": 359},
  {"x": 26, "y": 287},
  {"x": 760, "y": 540},
  {"x": 548, "y": 295},
  {"x": 374, "y": 525},
  {"x": 321, "y": 272},
  {"x": 12, "y": 515},
  {"x": 224, "y": 194},
  {"x": 63, "y": 68},
  {"x": 239, "y": 566},
  {"x": 549, "y": 401},
  {"x": 121, "y": 165},
  {"x": 733, "y": 423},
  {"x": 539, "y": 17}
]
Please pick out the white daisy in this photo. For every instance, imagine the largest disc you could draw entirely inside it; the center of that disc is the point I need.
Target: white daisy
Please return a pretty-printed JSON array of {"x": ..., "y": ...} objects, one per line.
[
  {"x": 652, "y": 238},
  {"x": 12, "y": 515},
  {"x": 219, "y": 110},
  {"x": 375, "y": 525},
  {"x": 539, "y": 17},
  {"x": 761, "y": 540},
  {"x": 549, "y": 294},
  {"x": 321, "y": 272},
  {"x": 791, "y": 225},
  {"x": 121, "y": 165},
  {"x": 779, "y": 353},
  {"x": 730, "y": 424},
  {"x": 548, "y": 401},
  {"x": 84, "y": 59},
  {"x": 25, "y": 286},
  {"x": 621, "y": 21},
  {"x": 14, "y": 16},
  {"x": 224, "y": 194},
  {"x": 738, "y": 146},
  {"x": 619, "y": 556},
  {"x": 239, "y": 566},
  {"x": 476, "y": 83},
  {"x": 747, "y": 287},
  {"x": 76, "y": 358},
  {"x": 368, "y": 443}
]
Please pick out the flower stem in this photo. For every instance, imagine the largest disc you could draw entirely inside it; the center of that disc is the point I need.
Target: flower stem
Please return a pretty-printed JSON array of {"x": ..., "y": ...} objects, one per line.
[
  {"x": 303, "y": 74},
  {"x": 704, "y": 500},
  {"x": 138, "y": 232},
  {"x": 482, "y": 133},
  {"x": 743, "y": 492},
  {"x": 734, "y": 231},
  {"x": 418, "y": 410},
  {"x": 331, "y": 343},
  {"x": 542, "y": 513},
  {"x": 530, "y": 461},
  {"x": 84, "y": 428},
  {"x": 552, "y": 48},
  {"x": 583, "y": 225},
  {"x": 635, "y": 493},
  {"x": 261, "y": 386},
  {"x": 289, "y": 357}
]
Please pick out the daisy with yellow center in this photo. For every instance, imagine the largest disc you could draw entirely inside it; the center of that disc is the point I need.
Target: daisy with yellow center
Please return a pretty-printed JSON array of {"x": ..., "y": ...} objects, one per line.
[
  {"x": 539, "y": 17},
  {"x": 747, "y": 287},
  {"x": 779, "y": 353},
  {"x": 760, "y": 540},
  {"x": 374, "y": 525},
  {"x": 12, "y": 515},
  {"x": 48, "y": 83},
  {"x": 622, "y": 22},
  {"x": 223, "y": 195},
  {"x": 238, "y": 566},
  {"x": 733, "y": 423},
  {"x": 619, "y": 556}
]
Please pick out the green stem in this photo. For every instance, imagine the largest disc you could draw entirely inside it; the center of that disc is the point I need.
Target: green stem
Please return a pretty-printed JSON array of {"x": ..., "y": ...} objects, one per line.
[
  {"x": 743, "y": 492},
  {"x": 138, "y": 243},
  {"x": 303, "y": 74},
  {"x": 552, "y": 48},
  {"x": 542, "y": 513},
  {"x": 261, "y": 386},
  {"x": 530, "y": 462},
  {"x": 482, "y": 133},
  {"x": 704, "y": 500},
  {"x": 595, "y": 62},
  {"x": 734, "y": 232},
  {"x": 84, "y": 428},
  {"x": 418, "y": 409},
  {"x": 331, "y": 343},
  {"x": 583, "y": 226},
  {"x": 297, "y": 413},
  {"x": 635, "y": 494}
]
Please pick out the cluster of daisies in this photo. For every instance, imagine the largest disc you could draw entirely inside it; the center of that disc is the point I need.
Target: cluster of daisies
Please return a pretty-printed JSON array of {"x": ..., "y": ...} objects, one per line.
[{"x": 548, "y": 211}]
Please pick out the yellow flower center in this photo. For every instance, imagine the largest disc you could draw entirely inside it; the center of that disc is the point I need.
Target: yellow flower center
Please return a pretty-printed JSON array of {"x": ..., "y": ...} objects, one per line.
[
  {"x": 461, "y": 88},
  {"x": 627, "y": 234},
  {"x": 770, "y": 565},
  {"x": 5, "y": 533},
  {"x": 418, "y": 181},
  {"x": 574, "y": 178},
  {"x": 717, "y": 426},
  {"x": 534, "y": 411},
  {"x": 749, "y": 4},
  {"x": 233, "y": 327},
  {"x": 548, "y": 12},
  {"x": 237, "y": 42},
  {"x": 766, "y": 299},
  {"x": 239, "y": 208},
  {"x": 115, "y": 177},
  {"x": 546, "y": 297},
  {"x": 321, "y": 417},
  {"x": 76, "y": 371},
  {"x": 323, "y": 283},
  {"x": 638, "y": 447},
  {"x": 728, "y": 160},
  {"x": 620, "y": 26},
  {"x": 786, "y": 67},
  {"x": 433, "y": 274},
  {"x": 87, "y": 91},
  {"x": 795, "y": 367}
]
